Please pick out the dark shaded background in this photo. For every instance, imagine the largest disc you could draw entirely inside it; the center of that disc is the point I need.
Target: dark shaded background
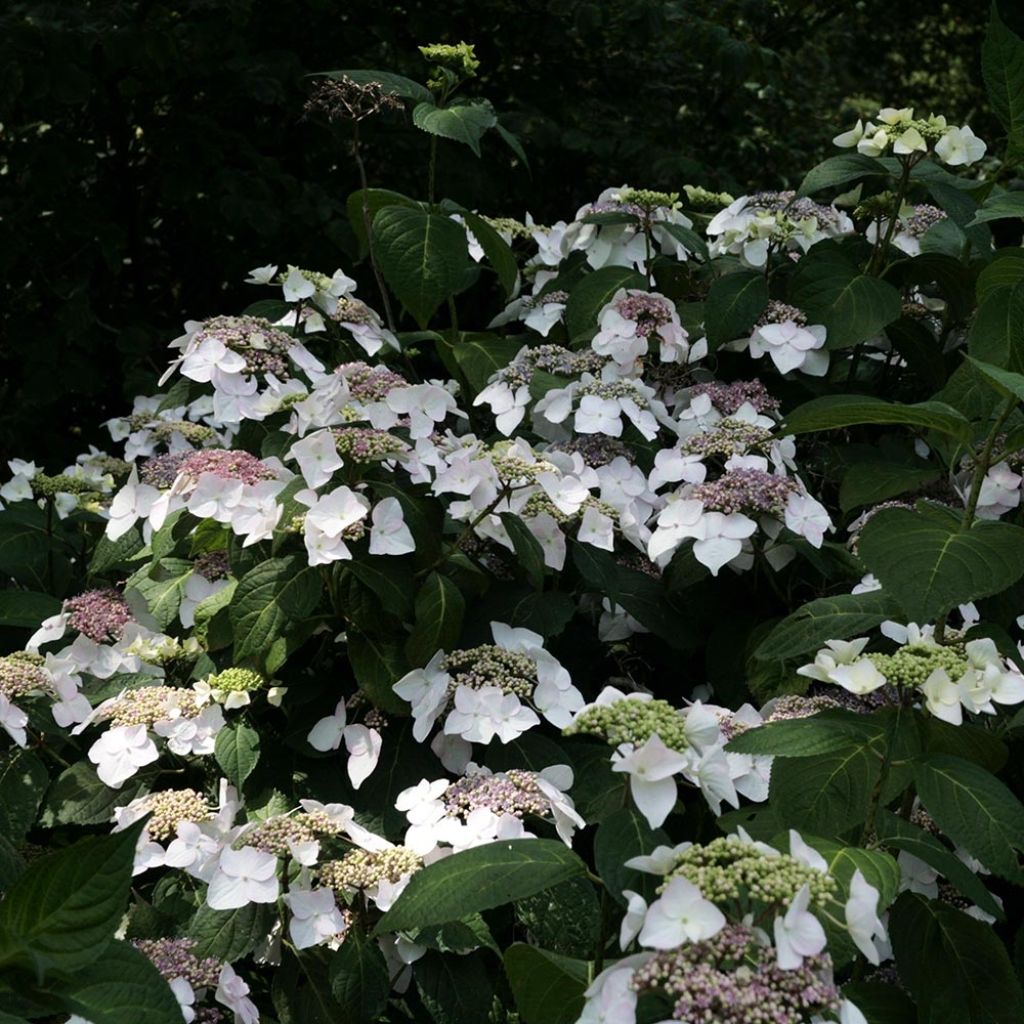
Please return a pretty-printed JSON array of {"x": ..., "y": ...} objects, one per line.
[{"x": 151, "y": 153}]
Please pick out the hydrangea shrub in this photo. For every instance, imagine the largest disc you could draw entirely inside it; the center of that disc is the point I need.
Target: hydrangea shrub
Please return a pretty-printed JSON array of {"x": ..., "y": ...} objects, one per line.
[{"x": 614, "y": 620}]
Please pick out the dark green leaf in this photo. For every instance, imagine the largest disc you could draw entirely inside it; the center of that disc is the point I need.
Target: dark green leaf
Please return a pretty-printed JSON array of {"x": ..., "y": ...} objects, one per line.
[
  {"x": 423, "y": 256},
  {"x": 644, "y": 598},
  {"x": 461, "y": 122},
  {"x": 122, "y": 987},
  {"x": 529, "y": 553},
  {"x": 824, "y": 733},
  {"x": 870, "y": 483},
  {"x": 548, "y": 988},
  {"x": 67, "y": 905},
  {"x": 78, "y": 797},
  {"x": 929, "y": 564},
  {"x": 23, "y": 781},
  {"x": 359, "y": 979},
  {"x": 902, "y": 835},
  {"x": 237, "y": 750},
  {"x": 621, "y": 836},
  {"x": 229, "y": 935},
  {"x": 829, "y": 287},
  {"x": 455, "y": 989},
  {"x": 975, "y": 810},
  {"x": 362, "y": 206},
  {"x": 271, "y": 596},
  {"x": 479, "y": 879},
  {"x": 997, "y": 333},
  {"x": 1000, "y": 207},
  {"x": 481, "y": 355},
  {"x": 593, "y": 292},
  {"x": 440, "y": 608},
  {"x": 378, "y": 665},
  {"x": 496, "y": 251},
  {"x": 840, "y": 170},
  {"x": 827, "y": 618},
  {"x": 1002, "y": 67},
  {"x": 955, "y": 968},
  {"x": 834, "y": 411},
  {"x": 734, "y": 303},
  {"x": 110, "y": 554},
  {"x": 828, "y": 793}
]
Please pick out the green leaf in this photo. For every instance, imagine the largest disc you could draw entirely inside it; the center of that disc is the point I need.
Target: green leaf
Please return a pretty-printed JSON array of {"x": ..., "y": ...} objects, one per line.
[
  {"x": 302, "y": 991},
  {"x": 362, "y": 206},
  {"x": 163, "y": 588},
  {"x": 545, "y": 613},
  {"x": 621, "y": 836},
  {"x": 929, "y": 564},
  {"x": 455, "y": 989},
  {"x": 834, "y": 411},
  {"x": 997, "y": 333},
  {"x": 734, "y": 303},
  {"x": 880, "y": 1002},
  {"x": 878, "y": 867},
  {"x": 1004, "y": 271},
  {"x": 229, "y": 935},
  {"x": 23, "y": 781},
  {"x": 564, "y": 918},
  {"x": 78, "y": 797},
  {"x": 548, "y": 988},
  {"x": 687, "y": 236},
  {"x": 824, "y": 733},
  {"x": 893, "y": 831},
  {"x": 975, "y": 810},
  {"x": 1002, "y": 67},
  {"x": 359, "y": 979},
  {"x": 829, "y": 287},
  {"x": 512, "y": 141},
  {"x": 870, "y": 483},
  {"x": 237, "y": 750},
  {"x": 122, "y": 987},
  {"x": 644, "y": 598},
  {"x": 389, "y": 578},
  {"x": 26, "y": 608},
  {"x": 496, "y": 251},
  {"x": 12, "y": 864},
  {"x": 269, "y": 597},
  {"x": 440, "y": 608},
  {"x": 840, "y": 170},
  {"x": 423, "y": 256},
  {"x": 110, "y": 554},
  {"x": 967, "y": 740},
  {"x": 481, "y": 355},
  {"x": 920, "y": 349},
  {"x": 1004, "y": 206},
  {"x": 399, "y": 85},
  {"x": 954, "y": 967},
  {"x": 1006, "y": 382},
  {"x": 458, "y": 936},
  {"x": 479, "y": 879},
  {"x": 529, "y": 553},
  {"x": 67, "y": 905},
  {"x": 377, "y": 665},
  {"x": 828, "y": 793},
  {"x": 827, "y": 618},
  {"x": 593, "y": 292},
  {"x": 462, "y": 122}
]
